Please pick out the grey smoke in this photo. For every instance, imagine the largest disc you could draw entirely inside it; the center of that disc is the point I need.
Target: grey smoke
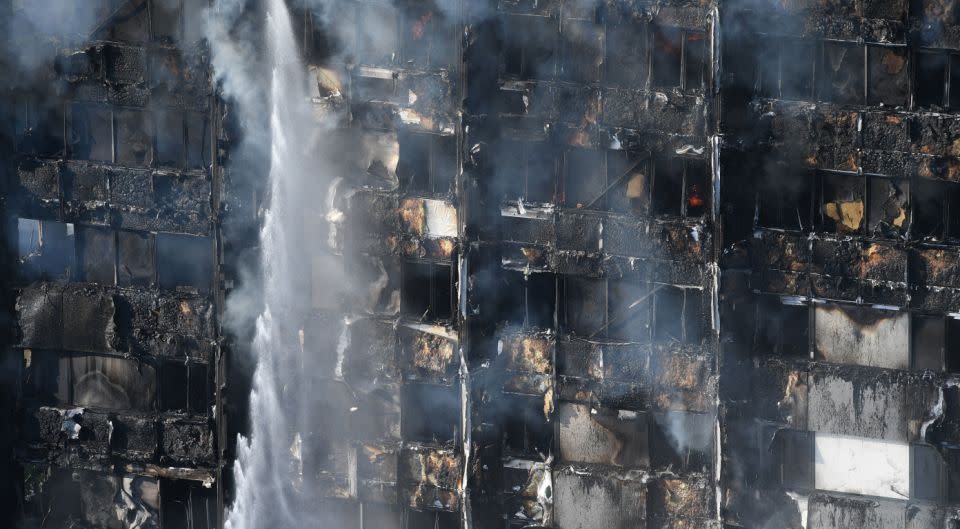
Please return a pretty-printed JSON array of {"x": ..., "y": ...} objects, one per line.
[
  {"x": 259, "y": 72},
  {"x": 47, "y": 25}
]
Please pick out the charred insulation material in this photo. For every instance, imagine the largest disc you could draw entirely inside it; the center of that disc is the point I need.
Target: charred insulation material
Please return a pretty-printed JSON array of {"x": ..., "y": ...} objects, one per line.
[{"x": 571, "y": 264}]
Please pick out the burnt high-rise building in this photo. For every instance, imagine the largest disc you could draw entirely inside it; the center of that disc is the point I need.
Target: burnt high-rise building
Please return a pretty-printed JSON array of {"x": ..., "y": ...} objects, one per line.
[{"x": 572, "y": 264}]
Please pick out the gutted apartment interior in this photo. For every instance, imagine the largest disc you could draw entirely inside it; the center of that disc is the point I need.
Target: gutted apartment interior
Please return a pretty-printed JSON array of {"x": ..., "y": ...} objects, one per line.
[{"x": 614, "y": 263}]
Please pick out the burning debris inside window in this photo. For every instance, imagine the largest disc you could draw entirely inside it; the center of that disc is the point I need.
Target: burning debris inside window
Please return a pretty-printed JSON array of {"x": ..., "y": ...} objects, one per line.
[{"x": 470, "y": 264}]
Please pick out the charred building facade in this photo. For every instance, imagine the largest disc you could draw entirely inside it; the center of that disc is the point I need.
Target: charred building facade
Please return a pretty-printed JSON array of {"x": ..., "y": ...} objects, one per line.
[
  {"x": 837, "y": 297},
  {"x": 110, "y": 264},
  {"x": 612, "y": 263}
]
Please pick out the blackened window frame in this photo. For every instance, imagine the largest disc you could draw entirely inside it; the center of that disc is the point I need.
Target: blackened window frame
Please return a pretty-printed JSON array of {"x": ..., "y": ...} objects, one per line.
[
  {"x": 432, "y": 313},
  {"x": 692, "y": 325}
]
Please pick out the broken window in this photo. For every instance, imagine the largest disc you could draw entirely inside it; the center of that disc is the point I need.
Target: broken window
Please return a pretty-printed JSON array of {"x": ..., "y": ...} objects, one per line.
[
  {"x": 198, "y": 140},
  {"x": 927, "y": 342},
  {"x": 889, "y": 82},
  {"x": 627, "y": 55},
  {"x": 785, "y": 199},
  {"x": 125, "y": 22},
  {"x": 382, "y": 517},
  {"x": 937, "y": 79},
  {"x": 842, "y": 69},
  {"x": 427, "y": 292},
  {"x": 585, "y": 305},
  {"x": 889, "y": 207},
  {"x": 782, "y": 329},
  {"x": 628, "y": 187},
  {"x": 528, "y": 170},
  {"x": 427, "y": 162},
  {"x": 695, "y": 57},
  {"x": 796, "y": 449},
  {"x": 529, "y": 299},
  {"x": 952, "y": 346},
  {"x": 931, "y": 81},
  {"x": 377, "y": 38},
  {"x": 47, "y": 249},
  {"x": 38, "y": 127},
  {"x": 841, "y": 202},
  {"x": 431, "y": 520},
  {"x": 935, "y": 207},
  {"x": 52, "y": 494},
  {"x": 666, "y": 70},
  {"x": 696, "y": 189},
  {"x": 681, "y": 440},
  {"x": 187, "y": 504},
  {"x": 668, "y": 186},
  {"x": 929, "y": 210},
  {"x": 583, "y": 178},
  {"x": 680, "y": 187},
  {"x": 169, "y": 138},
  {"x": 320, "y": 43},
  {"x": 768, "y": 68},
  {"x": 954, "y": 80},
  {"x": 73, "y": 498},
  {"x": 621, "y": 310},
  {"x": 165, "y": 17},
  {"x": 427, "y": 37},
  {"x": 630, "y": 304},
  {"x": 106, "y": 382},
  {"x": 184, "y": 261},
  {"x": 928, "y": 479},
  {"x": 91, "y": 133},
  {"x": 677, "y": 313},
  {"x": 526, "y": 431},
  {"x": 668, "y": 313},
  {"x": 40, "y": 377},
  {"x": 419, "y": 28},
  {"x": 582, "y": 51},
  {"x": 440, "y": 424},
  {"x": 166, "y": 70},
  {"x": 135, "y": 259},
  {"x": 796, "y": 69},
  {"x": 185, "y": 387},
  {"x": 374, "y": 85},
  {"x": 97, "y": 255},
  {"x": 530, "y": 47}
]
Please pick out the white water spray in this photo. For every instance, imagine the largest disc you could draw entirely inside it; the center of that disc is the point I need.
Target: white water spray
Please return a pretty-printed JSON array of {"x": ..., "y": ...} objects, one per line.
[{"x": 266, "y": 470}]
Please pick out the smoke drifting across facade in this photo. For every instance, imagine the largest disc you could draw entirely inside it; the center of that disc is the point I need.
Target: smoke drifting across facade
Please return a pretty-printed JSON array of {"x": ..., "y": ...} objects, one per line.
[{"x": 480, "y": 264}]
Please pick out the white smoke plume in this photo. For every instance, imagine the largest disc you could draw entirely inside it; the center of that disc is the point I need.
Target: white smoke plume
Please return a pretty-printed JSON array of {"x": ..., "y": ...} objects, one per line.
[{"x": 260, "y": 72}]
